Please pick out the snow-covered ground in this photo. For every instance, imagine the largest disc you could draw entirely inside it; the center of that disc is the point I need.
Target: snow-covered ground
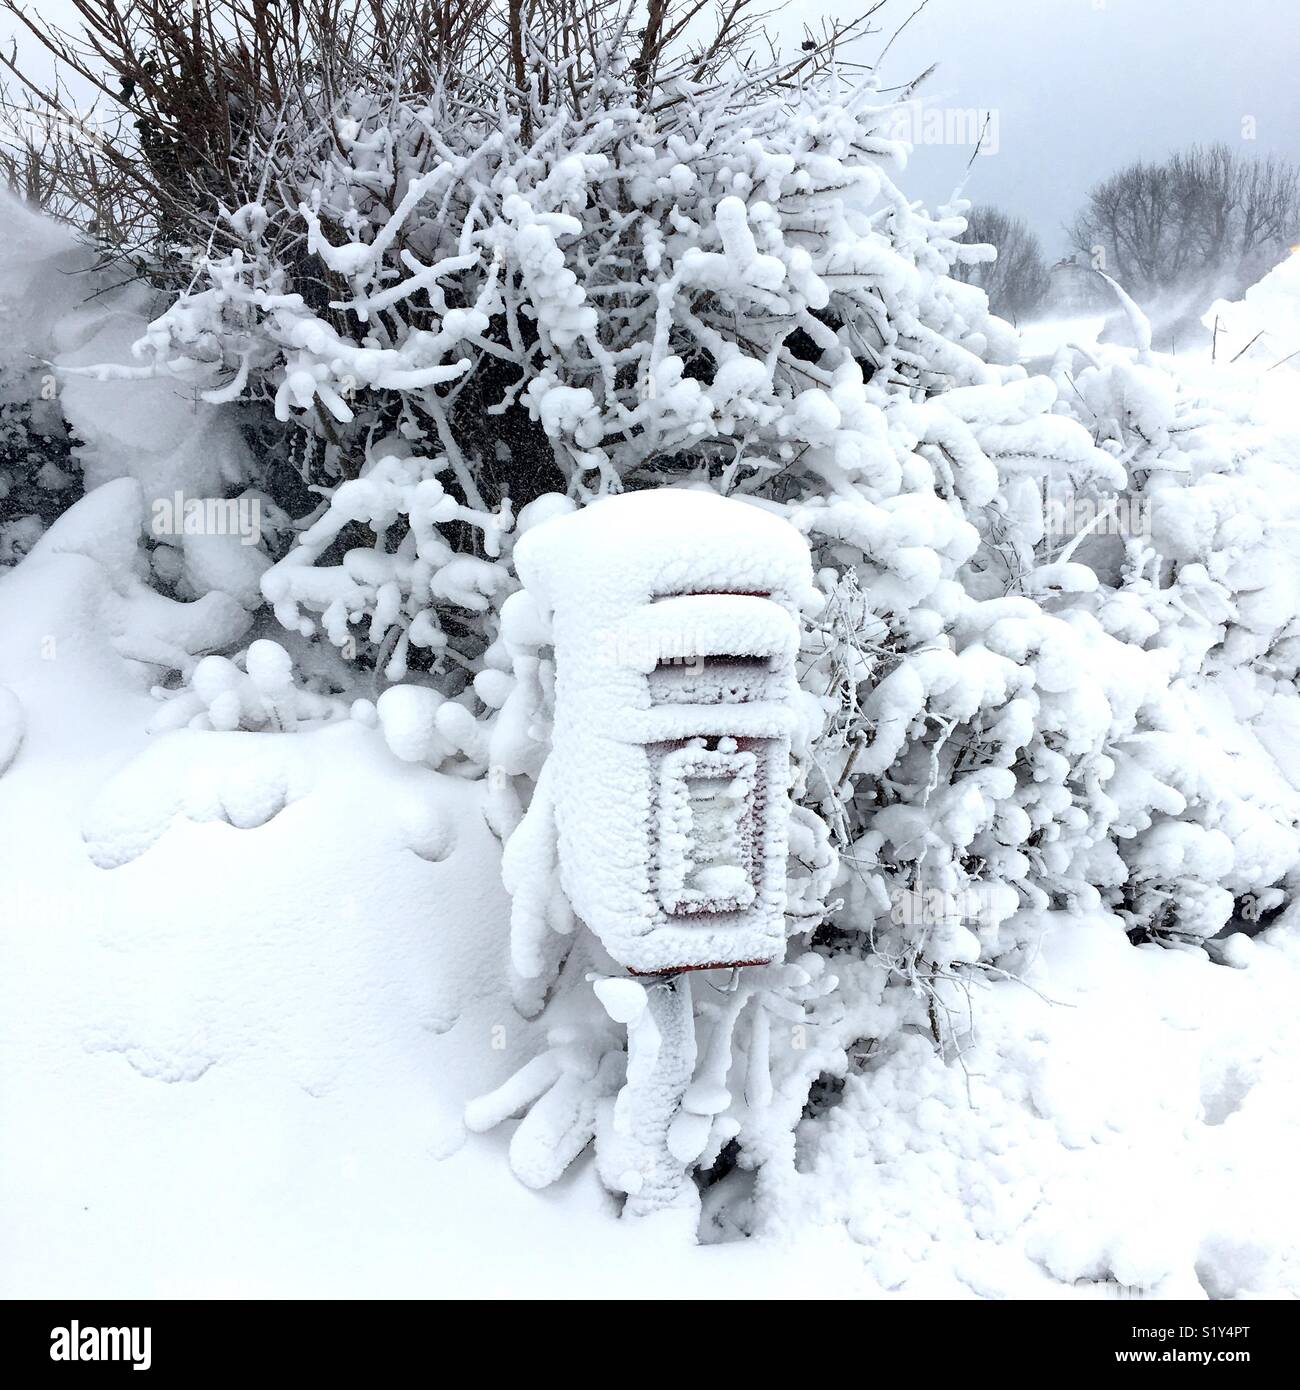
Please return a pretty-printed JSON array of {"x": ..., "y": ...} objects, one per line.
[
  {"x": 223, "y": 1070},
  {"x": 1042, "y": 337},
  {"x": 250, "y": 980}
]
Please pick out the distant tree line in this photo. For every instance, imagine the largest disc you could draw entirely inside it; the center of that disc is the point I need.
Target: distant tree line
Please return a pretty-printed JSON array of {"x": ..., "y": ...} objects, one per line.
[
  {"x": 1206, "y": 221},
  {"x": 1017, "y": 281}
]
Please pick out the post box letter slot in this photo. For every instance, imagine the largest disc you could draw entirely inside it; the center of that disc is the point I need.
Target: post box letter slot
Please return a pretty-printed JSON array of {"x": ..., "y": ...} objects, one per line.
[{"x": 712, "y": 680}]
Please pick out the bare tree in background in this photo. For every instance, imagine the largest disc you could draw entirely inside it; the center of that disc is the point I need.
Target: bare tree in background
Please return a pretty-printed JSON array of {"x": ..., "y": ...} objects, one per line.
[
  {"x": 1017, "y": 281},
  {"x": 1205, "y": 219}
]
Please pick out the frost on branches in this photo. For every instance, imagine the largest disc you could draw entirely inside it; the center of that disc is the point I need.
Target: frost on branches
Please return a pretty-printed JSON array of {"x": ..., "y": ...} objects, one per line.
[{"x": 479, "y": 315}]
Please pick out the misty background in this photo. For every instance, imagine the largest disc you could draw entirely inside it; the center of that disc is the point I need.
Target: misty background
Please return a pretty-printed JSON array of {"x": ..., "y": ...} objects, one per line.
[
  {"x": 1080, "y": 88},
  {"x": 1189, "y": 109},
  {"x": 1077, "y": 88}
]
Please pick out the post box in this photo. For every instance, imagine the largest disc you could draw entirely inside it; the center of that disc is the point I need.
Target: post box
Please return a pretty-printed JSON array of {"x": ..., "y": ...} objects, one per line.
[{"x": 675, "y": 617}]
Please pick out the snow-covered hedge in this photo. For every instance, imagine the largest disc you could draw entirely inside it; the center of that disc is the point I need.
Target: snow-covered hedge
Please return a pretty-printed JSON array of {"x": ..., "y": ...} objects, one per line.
[{"x": 480, "y": 314}]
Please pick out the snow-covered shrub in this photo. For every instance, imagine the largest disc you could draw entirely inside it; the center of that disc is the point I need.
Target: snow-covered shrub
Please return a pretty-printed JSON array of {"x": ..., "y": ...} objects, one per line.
[
  {"x": 261, "y": 692},
  {"x": 481, "y": 313},
  {"x": 1205, "y": 583},
  {"x": 406, "y": 577},
  {"x": 573, "y": 297}
]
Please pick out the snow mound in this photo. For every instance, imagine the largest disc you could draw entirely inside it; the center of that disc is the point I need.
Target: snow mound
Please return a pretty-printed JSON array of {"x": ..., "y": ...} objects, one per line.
[
  {"x": 205, "y": 777},
  {"x": 1263, "y": 327},
  {"x": 1112, "y": 1125}
]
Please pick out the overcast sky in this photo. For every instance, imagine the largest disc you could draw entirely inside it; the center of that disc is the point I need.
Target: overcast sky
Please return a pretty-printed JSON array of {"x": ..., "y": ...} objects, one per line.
[
  {"x": 1078, "y": 88},
  {"x": 1081, "y": 87}
]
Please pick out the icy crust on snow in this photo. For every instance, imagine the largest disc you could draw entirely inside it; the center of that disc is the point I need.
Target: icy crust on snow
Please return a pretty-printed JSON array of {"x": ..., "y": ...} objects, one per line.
[{"x": 675, "y": 622}]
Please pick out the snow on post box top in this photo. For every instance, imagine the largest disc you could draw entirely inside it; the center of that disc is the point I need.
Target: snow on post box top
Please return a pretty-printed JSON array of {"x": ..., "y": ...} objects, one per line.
[{"x": 674, "y": 617}]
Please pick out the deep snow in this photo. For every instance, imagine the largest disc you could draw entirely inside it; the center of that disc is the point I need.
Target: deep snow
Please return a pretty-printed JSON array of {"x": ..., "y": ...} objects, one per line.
[
  {"x": 249, "y": 981},
  {"x": 236, "y": 1063}
]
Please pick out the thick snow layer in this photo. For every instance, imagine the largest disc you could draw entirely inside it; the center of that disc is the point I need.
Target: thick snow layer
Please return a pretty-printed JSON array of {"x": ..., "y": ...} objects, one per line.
[
  {"x": 674, "y": 618},
  {"x": 60, "y": 319},
  {"x": 1114, "y": 1124},
  {"x": 237, "y": 1062},
  {"x": 1263, "y": 327},
  {"x": 646, "y": 545},
  {"x": 43, "y": 276}
]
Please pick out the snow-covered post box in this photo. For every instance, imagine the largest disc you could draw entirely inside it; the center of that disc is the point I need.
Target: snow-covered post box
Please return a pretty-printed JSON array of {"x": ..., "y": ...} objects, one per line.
[{"x": 675, "y": 621}]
